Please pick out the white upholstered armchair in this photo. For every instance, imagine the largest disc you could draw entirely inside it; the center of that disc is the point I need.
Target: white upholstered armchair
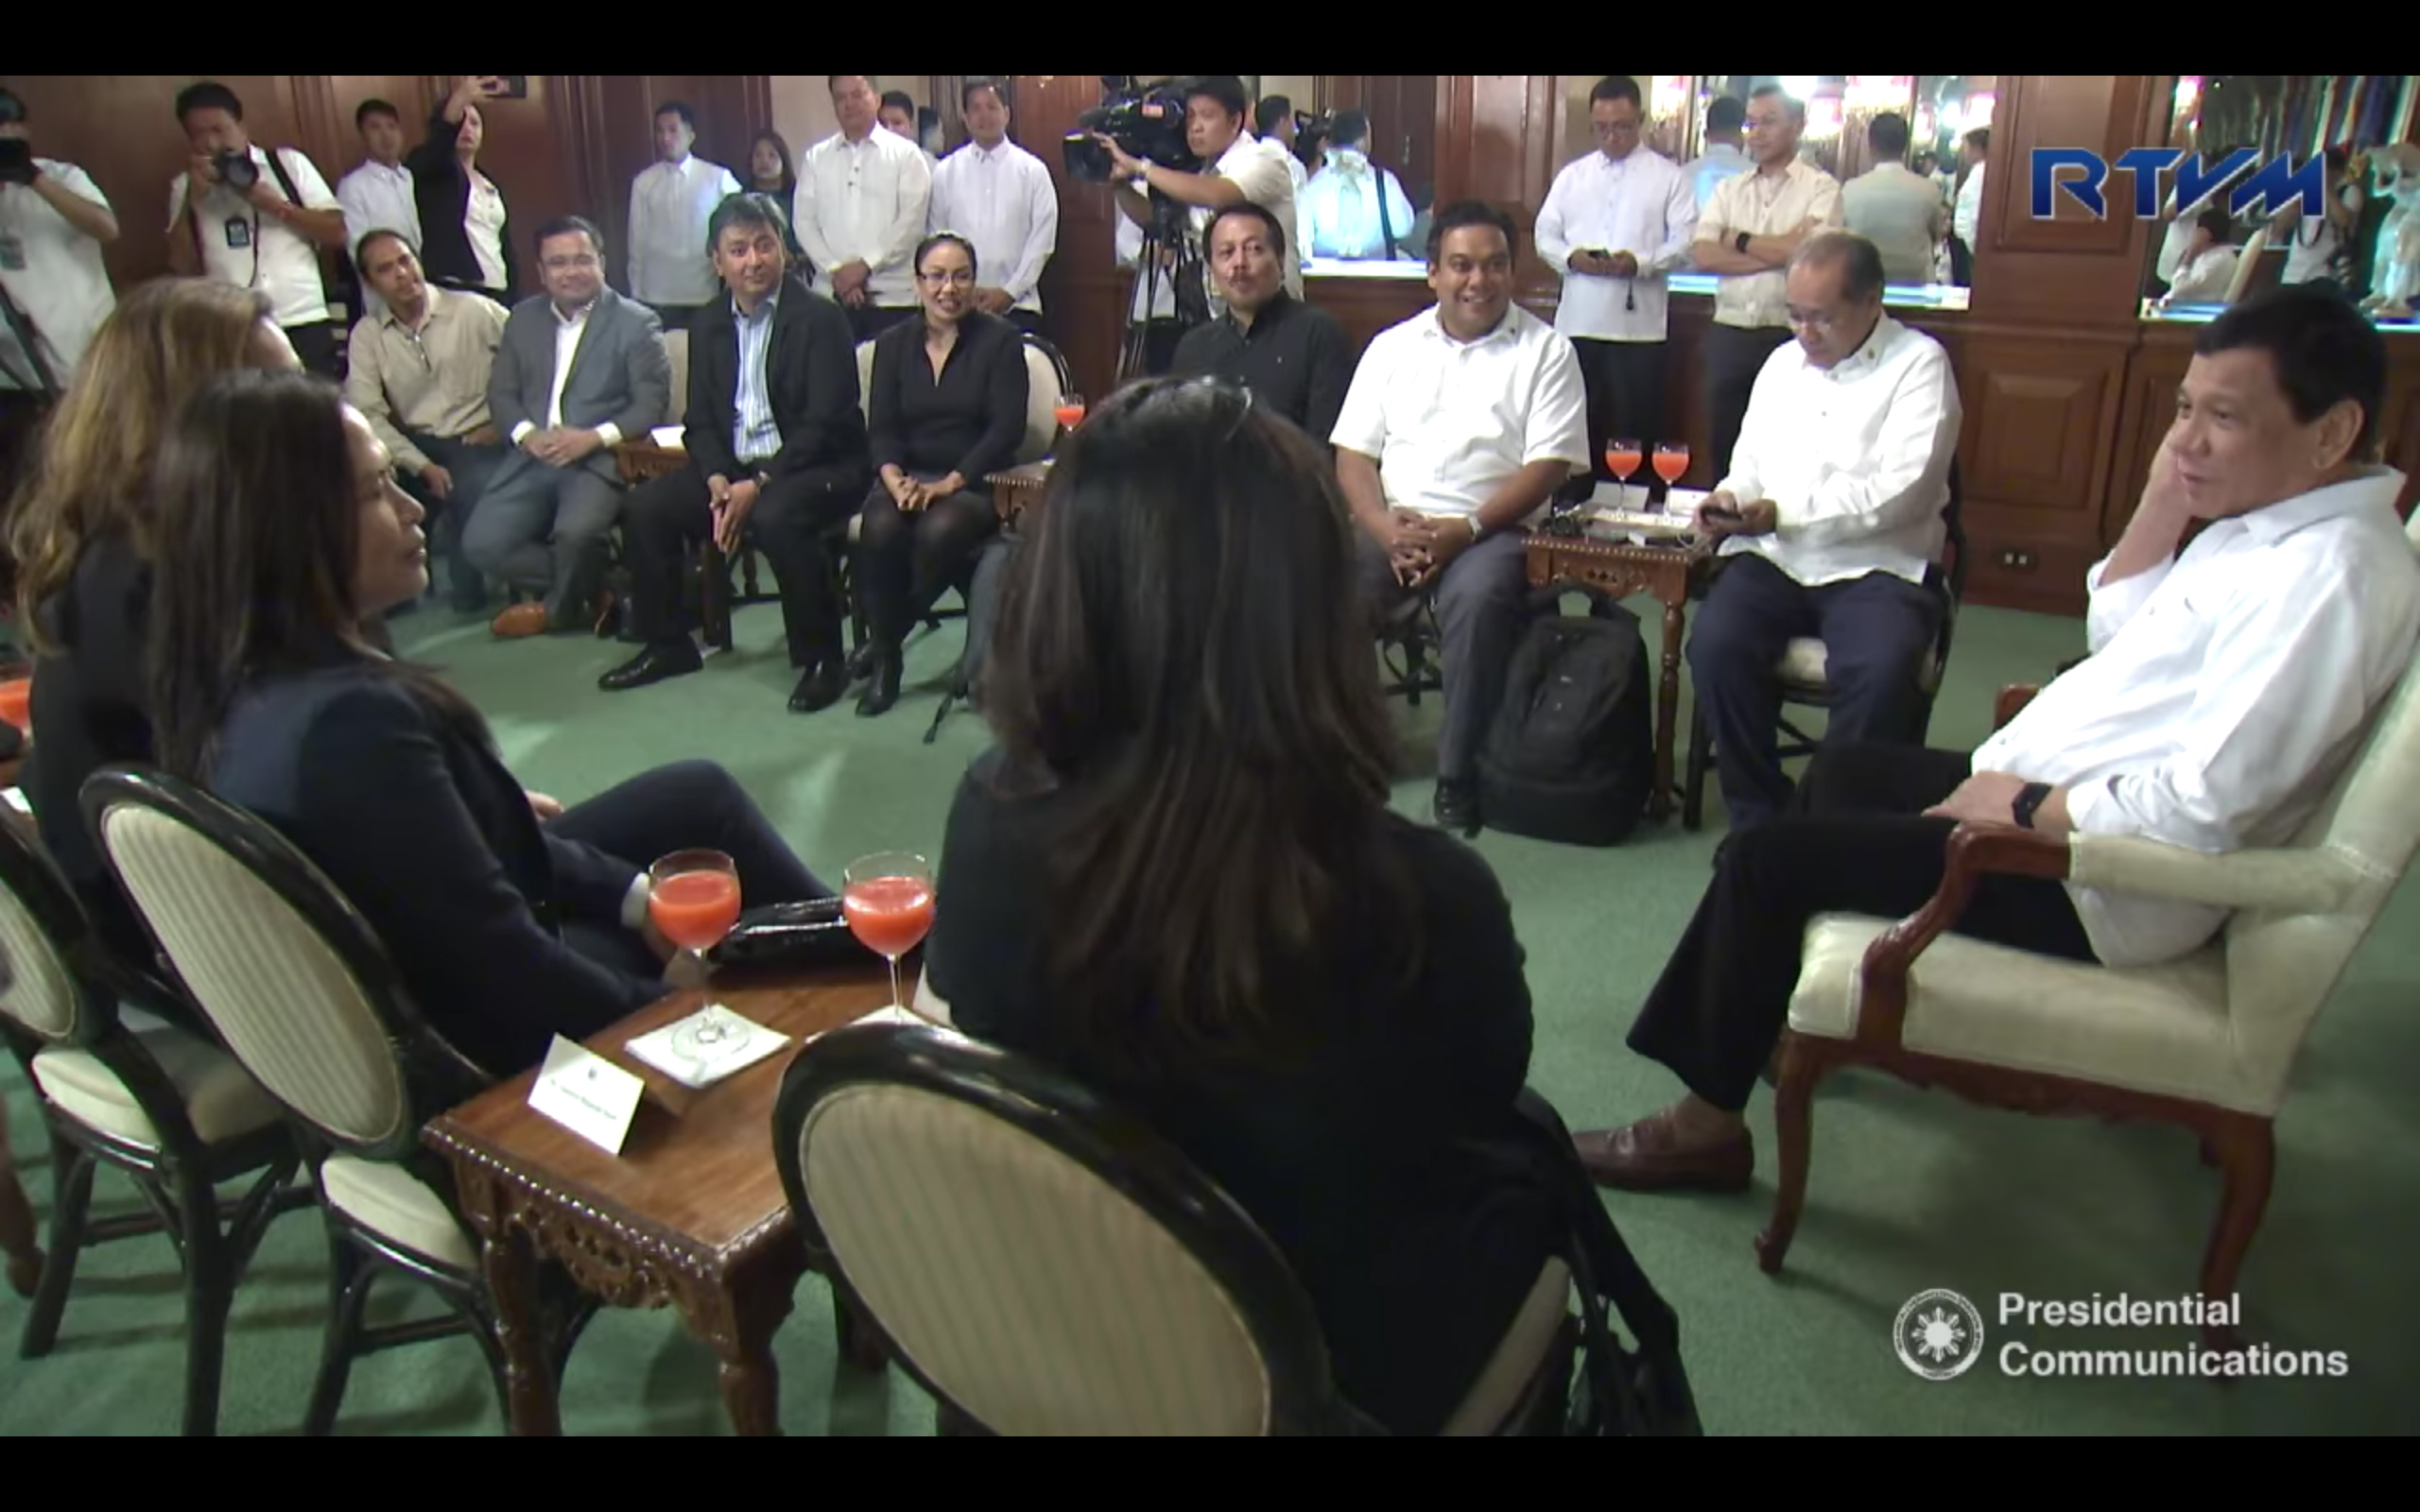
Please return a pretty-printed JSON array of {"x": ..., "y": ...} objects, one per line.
[{"x": 2208, "y": 1042}]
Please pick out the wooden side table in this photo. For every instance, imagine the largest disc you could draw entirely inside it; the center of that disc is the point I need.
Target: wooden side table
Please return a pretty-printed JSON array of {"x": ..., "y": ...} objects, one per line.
[
  {"x": 690, "y": 1216},
  {"x": 1615, "y": 566}
]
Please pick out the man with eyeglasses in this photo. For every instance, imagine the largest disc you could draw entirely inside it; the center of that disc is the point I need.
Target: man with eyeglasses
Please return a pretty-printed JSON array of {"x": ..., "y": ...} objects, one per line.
[
  {"x": 1745, "y": 237},
  {"x": 419, "y": 373},
  {"x": 1830, "y": 524},
  {"x": 1614, "y": 225},
  {"x": 580, "y": 368}
]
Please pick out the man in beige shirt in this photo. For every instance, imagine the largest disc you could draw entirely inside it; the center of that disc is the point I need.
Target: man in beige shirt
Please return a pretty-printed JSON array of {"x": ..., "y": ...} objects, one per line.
[
  {"x": 419, "y": 373},
  {"x": 1746, "y": 236}
]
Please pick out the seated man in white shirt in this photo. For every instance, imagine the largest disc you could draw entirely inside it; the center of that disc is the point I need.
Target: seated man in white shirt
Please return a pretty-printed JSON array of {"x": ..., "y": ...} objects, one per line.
[
  {"x": 1830, "y": 522},
  {"x": 2207, "y": 269},
  {"x": 2227, "y": 689},
  {"x": 1461, "y": 423},
  {"x": 999, "y": 197}
]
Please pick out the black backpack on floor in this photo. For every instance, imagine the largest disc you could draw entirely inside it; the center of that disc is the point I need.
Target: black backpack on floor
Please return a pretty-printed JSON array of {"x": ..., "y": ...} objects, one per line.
[{"x": 1571, "y": 758}]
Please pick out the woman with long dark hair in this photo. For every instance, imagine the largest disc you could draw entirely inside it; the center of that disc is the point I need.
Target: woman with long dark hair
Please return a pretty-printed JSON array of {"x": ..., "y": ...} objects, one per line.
[
  {"x": 82, "y": 534},
  {"x": 282, "y": 535},
  {"x": 1178, "y": 878},
  {"x": 947, "y": 408}
]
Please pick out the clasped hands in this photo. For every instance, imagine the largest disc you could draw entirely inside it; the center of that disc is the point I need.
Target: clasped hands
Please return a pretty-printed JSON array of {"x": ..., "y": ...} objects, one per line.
[
  {"x": 849, "y": 283},
  {"x": 563, "y": 446},
  {"x": 1420, "y": 547},
  {"x": 732, "y": 502},
  {"x": 1605, "y": 264},
  {"x": 1721, "y": 516},
  {"x": 912, "y": 496}
]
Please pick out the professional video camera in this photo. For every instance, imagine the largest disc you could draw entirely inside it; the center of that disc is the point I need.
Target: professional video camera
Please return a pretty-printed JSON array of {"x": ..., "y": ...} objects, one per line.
[{"x": 1148, "y": 123}]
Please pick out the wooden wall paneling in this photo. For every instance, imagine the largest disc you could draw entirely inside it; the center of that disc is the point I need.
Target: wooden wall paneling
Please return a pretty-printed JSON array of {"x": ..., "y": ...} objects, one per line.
[
  {"x": 1085, "y": 296},
  {"x": 1495, "y": 139},
  {"x": 1403, "y": 111},
  {"x": 2399, "y": 428},
  {"x": 2071, "y": 270},
  {"x": 2153, "y": 369}
]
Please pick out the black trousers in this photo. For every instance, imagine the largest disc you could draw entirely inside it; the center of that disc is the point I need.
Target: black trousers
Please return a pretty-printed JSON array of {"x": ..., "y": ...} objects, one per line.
[
  {"x": 905, "y": 562},
  {"x": 1625, "y": 382},
  {"x": 1855, "y": 841},
  {"x": 666, "y": 516},
  {"x": 1877, "y": 630},
  {"x": 321, "y": 345},
  {"x": 685, "y": 806},
  {"x": 1733, "y": 359},
  {"x": 470, "y": 467}
]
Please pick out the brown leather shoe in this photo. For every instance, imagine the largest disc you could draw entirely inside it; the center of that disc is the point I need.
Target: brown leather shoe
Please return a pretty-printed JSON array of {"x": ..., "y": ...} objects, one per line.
[
  {"x": 1649, "y": 1156},
  {"x": 520, "y": 623}
]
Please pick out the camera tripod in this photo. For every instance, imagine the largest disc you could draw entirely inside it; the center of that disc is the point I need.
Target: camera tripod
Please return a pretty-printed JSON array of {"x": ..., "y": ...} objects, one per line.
[{"x": 1169, "y": 258}]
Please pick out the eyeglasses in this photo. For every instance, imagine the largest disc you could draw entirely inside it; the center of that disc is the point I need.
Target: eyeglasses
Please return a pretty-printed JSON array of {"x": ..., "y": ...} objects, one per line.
[{"x": 958, "y": 277}]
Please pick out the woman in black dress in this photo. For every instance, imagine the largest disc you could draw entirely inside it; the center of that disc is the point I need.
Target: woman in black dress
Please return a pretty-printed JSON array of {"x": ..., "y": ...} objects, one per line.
[{"x": 947, "y": 407}]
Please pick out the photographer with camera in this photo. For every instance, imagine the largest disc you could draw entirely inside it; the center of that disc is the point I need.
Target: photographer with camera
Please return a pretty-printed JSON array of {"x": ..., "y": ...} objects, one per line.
[
  {"x": 54, "y": 292},
  {"x": 1240, "y": 170},
  {"x": 255, "y": 219}
]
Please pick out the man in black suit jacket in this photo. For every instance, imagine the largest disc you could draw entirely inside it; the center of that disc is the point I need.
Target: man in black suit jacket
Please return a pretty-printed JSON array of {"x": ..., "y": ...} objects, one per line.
[{"x": 777, "y": 450}]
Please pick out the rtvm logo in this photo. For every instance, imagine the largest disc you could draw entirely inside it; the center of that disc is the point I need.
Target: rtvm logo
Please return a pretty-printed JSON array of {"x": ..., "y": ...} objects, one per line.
[{"x": 2278, "y": 184}]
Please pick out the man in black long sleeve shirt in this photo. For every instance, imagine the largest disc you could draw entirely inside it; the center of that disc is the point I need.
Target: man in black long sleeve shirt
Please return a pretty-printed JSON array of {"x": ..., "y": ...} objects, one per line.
[
  {"x": 777, "y": 452},
  {"x": 1292, "y": 356}
]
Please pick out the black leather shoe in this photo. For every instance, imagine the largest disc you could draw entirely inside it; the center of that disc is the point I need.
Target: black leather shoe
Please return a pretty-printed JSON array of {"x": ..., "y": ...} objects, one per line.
[
  {"x": 1458, "y": 806},
  {"x": 654, "y": 664},
  {"x": 882, "y": 690},
  {"x": 861, "y": 665},
  {"x": 819, "y": 689}
]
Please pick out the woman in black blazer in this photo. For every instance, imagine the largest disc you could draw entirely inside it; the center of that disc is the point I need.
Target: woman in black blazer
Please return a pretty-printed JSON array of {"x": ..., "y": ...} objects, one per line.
[
  {"x": 947, "y": 409},
  {"x": 468, "y": 242},
  {"x": 83, "y": 539},
  {"x": 1179, "y": 879},
  {"x": 511, "y": 919}
]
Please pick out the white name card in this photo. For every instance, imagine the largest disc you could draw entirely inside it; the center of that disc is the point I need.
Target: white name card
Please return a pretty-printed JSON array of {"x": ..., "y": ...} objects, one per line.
[{"x": 591, "y": 1097}]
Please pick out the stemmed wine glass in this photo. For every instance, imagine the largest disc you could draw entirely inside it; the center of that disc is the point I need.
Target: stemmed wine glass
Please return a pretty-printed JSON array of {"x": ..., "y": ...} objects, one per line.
[
  {"x": 1671, "y": 461},
  {"x": 1622, "y": 457},
  {"x": 693, "y": 899},
  {"x": 888, "y": 899},
  {"x": 1070, "y": 411}
]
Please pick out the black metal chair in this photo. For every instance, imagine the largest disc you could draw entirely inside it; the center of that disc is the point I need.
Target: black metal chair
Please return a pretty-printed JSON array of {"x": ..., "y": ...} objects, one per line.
[
  {"x": 174, "y": 1112},
  {"x": 1802, "y": 670},
  {"x": 1044, "y": 1264},
  {"x": 299, "y": 987}
]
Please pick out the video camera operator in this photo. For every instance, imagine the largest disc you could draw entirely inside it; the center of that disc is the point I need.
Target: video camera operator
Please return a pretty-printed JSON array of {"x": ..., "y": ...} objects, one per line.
[
  {"x": 1242, "y": 169},
  {"x": 256, "y": 219},
  {"x": 54, "y": 290}
]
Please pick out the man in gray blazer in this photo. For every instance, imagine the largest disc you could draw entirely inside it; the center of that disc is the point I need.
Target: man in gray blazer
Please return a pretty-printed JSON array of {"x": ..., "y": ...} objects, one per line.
[{"x": 580, "y": 368}]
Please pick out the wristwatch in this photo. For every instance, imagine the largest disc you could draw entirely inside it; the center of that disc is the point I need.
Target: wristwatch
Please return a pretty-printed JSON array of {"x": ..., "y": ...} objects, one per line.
[
  {"x": 1741, "y": 241},
  {"x": 2029, "y": 798}
]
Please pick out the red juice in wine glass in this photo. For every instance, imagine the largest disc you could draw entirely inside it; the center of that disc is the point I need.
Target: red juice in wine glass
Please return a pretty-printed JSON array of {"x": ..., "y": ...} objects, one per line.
[
  {"x": 1623, "y": 458},
  {"x": 694, "y": 910},
  {"x": 889, "y": 915},
  {"x": 1671, "y": 462}
]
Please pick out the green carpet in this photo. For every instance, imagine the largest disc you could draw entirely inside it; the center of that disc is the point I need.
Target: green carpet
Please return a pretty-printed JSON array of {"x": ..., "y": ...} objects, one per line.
[{"x": 1911, "y": 1191}]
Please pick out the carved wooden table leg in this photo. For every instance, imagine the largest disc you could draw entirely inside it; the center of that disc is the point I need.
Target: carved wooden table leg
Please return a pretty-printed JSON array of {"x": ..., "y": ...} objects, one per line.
[
  {"x": 17, "y": 1239},
  {"x": 510, "y": 1265},
  {"x": 739, "y": 1318},
  {"x": 1668, "y": 701}
]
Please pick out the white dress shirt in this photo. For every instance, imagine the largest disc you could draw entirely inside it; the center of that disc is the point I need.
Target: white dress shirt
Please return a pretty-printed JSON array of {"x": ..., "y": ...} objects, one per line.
[
  {"x": 2204, "y": 279},
  {"x": 483, "y": 220},
  {"x": 1002, "y": 200},
  {"x": 1854, "y": 458},
  {"x": 55, "y": 274},
  {"x": 1450, "y": 421},
  {"x": 1900, "y": 212},
  {"x": 1968, "y": 219},
  {"x": 670, "y": 204},
  {"x": 2226, "y": 692},
  {"x": 1763, "y": 205},
  {"x": 1301, "y": 230},
  {"x": 243, "y": 247},
  {"x": 865, "y": 202},
  {"x": 568, "y": 330},
  {"x": 377, "y": 197},
  {"x": 1642, "y": 204},
  {"x": 1341, "y": 207}
]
